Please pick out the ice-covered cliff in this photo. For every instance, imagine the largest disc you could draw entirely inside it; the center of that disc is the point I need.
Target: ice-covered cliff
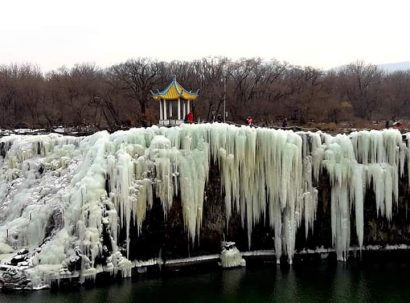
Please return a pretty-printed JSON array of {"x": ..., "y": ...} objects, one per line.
[{"x": 68, "y": 199}]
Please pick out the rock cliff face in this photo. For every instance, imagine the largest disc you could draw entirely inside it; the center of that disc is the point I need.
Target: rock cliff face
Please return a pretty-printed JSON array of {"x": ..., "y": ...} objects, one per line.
[{"x": 100, "y": 203}]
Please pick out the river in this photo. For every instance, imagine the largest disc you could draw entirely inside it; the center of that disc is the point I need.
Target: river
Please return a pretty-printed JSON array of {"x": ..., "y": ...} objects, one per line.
[{"x": 376, "y": 282}]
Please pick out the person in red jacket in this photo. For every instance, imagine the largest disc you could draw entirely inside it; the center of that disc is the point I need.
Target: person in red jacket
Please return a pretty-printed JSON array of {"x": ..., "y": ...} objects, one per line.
[
  {"x": 190, "y": 117},
  {"x": 249, "y": 121}
]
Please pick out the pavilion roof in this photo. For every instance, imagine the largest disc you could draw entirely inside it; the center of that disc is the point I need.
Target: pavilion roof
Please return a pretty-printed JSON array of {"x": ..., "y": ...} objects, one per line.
[{"x": 175, "y": 91}]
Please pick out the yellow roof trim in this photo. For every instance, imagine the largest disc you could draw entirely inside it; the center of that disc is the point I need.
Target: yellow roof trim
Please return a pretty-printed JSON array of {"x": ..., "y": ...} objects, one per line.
[{"x": 174, "y": 91}]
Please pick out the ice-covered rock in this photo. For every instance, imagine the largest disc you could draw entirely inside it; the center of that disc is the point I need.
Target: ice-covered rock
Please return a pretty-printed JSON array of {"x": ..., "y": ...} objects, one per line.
[
  {"x": 15, "y": 279},
  {"x": 5, "y": 248},
  {"x": 231, "y": 256}
]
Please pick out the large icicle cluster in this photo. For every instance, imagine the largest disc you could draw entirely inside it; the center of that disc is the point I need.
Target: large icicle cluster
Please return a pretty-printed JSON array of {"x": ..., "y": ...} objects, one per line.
[
  {"x": 83, "y": 186},
  {"x": 263, "y": 175},
  {"x": 354, "y": 163}
]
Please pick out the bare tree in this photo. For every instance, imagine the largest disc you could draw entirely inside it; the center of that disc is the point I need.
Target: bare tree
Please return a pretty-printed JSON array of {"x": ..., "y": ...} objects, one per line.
[
  {"x": 361, "y": 86},
  {"x": 137, "y": 78},
  {"x": 268, "y": 90}
]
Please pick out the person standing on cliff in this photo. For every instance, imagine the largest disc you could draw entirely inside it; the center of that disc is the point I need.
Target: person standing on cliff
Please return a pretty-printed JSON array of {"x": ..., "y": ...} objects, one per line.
[
  {"x": 285, "y": 122},
  {"x": 190, "y": 118},
  {"x": 249, "y": 121}
]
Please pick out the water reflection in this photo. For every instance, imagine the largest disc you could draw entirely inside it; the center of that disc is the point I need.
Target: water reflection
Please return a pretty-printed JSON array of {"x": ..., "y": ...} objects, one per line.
[
  {"x": 349, "y": 285},
  {"x": 285, "y": 287},
  {"x": 231, "y": 281},
  {"x": 314, "y": 283}
]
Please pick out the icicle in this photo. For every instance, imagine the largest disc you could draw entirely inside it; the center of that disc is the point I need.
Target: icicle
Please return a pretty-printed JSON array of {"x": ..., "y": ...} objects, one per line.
[{"x": 357, "y": 191}]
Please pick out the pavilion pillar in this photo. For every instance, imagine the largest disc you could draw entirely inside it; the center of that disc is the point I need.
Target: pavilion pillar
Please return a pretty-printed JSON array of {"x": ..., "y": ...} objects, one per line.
[
  {"x": 165, "y": 110},
  {"x": 160, "y": 111},
  {"x": 170, "y": 109},
  {"x": 183, "y": 109},
  {"x": 179, "y": 109},
  {"x": 188, "y": 103}
]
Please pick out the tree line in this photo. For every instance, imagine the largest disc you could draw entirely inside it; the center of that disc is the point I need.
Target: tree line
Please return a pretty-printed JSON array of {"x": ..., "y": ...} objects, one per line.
[{"x": 120, "y": 96}]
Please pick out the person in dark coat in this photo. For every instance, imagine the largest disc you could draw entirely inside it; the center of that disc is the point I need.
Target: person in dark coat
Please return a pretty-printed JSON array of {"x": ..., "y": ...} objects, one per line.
[{"x": 285, "y": 122}]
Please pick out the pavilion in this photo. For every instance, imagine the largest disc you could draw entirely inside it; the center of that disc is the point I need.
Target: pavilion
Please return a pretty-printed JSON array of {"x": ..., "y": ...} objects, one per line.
[{"x": 174, "y": 103}]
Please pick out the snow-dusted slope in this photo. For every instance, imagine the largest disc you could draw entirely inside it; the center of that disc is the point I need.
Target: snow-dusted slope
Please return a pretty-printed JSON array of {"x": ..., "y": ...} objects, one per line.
[{"x": 58, "y": 194}]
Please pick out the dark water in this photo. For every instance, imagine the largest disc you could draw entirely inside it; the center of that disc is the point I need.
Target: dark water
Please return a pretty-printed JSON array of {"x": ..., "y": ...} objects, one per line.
[{"x": 387, "y": 282}]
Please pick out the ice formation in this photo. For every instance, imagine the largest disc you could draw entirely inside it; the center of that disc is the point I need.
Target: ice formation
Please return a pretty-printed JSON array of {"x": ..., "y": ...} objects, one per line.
[
  {"x": 107, "y": 182},
  {"x": 230, "y": 256}
]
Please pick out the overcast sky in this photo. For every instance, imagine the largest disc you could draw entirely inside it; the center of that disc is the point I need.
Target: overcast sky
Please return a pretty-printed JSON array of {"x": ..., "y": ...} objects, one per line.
[{"x": 320, "y": 33}]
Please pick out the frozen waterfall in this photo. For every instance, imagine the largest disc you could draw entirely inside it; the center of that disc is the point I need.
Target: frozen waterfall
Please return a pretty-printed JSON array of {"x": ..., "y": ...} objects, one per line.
[{"x": 108, "y": 182}]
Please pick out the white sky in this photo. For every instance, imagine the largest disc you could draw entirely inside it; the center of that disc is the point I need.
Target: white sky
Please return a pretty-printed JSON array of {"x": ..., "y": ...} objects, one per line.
[{"x": 320, "y": 33}]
